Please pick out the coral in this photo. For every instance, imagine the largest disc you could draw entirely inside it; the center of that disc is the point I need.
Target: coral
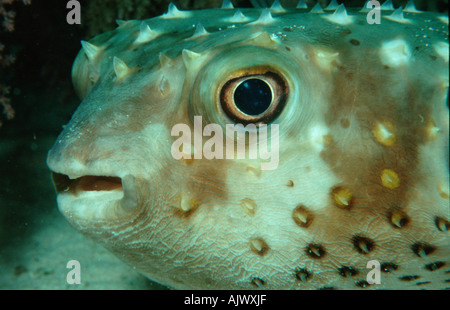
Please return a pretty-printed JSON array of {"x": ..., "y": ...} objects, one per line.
[{"x": 6, "y": 60}]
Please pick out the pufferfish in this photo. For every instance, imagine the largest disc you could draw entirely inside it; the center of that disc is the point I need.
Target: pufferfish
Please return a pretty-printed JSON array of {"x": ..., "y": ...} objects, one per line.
[{"x": 360, "y": 186}]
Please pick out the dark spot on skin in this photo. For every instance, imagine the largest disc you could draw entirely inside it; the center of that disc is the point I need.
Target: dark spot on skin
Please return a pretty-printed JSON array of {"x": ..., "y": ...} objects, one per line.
[
  {"x": 185, "y": 214},
  {"x": 345, "y": 122},
  {"x": 422, "y": 283},
  {"x": 386, "y": 67},
  {"x": 362, "y": 284},
  {"x": 290, "y": 183},
  {"x": 346, "y": 31},
  {"x": 441, "y": 224},
  {"x": 288, "y": 48},
  {"x": 342, "y": 197},
  {"x": 302, "y": 274},
  {"x": 341, "y": 67},
  {"x": 362, "y": 244},
  {"x": 355, "y": 42},
  {"x": 434, "y": 266},
  {"x": 257, "y": 282},
  {"x": 315, "y": 251},
  {"x": 388, "y": 267},
  {"x": 289, "y": 29},
  {"x": 422, "y": 249},
  {"x": 409, "y": 278},
  {"x": 433, "y": 57},
  {"x": 347, "y": 271},
  {"x": 350, "y": 75},
  {"x": 398, "y": 218}
]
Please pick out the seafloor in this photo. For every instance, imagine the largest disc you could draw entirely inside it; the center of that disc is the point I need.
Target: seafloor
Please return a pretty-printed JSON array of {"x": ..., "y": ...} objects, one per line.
[{"x": 36, "y": 242}]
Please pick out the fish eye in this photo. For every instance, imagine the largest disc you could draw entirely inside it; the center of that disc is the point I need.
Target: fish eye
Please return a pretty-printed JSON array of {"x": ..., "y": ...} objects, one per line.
[{"x": 254, "y": 97}]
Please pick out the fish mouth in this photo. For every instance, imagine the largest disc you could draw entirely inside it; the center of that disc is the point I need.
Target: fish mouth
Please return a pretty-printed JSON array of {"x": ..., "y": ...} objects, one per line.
[
  {"x": 95, "y": 197},
  {"x": 64, "y": 184}
]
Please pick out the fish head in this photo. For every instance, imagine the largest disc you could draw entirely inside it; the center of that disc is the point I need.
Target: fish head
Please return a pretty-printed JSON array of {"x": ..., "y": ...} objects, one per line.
[{"x": 282, "y": 149}]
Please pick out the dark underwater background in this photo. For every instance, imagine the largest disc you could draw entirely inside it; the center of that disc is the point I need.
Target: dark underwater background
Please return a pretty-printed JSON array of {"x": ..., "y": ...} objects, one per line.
[{"x": 36, "y": 242}]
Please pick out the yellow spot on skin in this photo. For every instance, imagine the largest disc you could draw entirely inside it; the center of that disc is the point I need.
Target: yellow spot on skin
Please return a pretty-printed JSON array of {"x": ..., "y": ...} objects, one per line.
[
  {"x": 390, "y": 179},
  {"x": 384, "y": 133},
  {"x": 188, "y": 161},
  {"x": 443, "y": 190},
  {"x": 326, "y": 59},
  {"x": 342, "y": 196},
  {"x": 248, "y": 205},
  {"x": 398, "y": 218},
  {"x": 187, "y": 204},
  {"x": 327, "y": 140}
]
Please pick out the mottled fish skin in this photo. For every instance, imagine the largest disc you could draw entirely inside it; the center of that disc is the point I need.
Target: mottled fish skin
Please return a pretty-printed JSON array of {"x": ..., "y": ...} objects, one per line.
[{"x": 363, "y": 168}]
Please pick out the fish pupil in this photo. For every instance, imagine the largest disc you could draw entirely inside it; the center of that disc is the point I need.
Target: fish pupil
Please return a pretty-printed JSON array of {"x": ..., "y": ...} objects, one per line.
[{"x": 253, "y": 96}]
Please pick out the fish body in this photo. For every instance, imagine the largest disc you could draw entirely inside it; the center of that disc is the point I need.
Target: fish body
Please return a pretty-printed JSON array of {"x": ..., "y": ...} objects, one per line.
[{"x": 360, "y": 176}]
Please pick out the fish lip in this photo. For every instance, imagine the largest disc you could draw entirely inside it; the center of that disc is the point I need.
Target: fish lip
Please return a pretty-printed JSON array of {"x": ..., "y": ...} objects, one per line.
[
  {"x": 64, "y": 184},
  {"x": 92, "y": 194}
]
